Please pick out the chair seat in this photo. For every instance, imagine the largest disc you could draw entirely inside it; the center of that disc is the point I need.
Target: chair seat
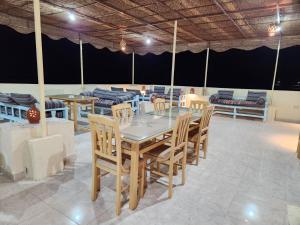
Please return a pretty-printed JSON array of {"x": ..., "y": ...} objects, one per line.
[
  {"x": 161, "y": 153},
  {"x": 111, "y": 165}
]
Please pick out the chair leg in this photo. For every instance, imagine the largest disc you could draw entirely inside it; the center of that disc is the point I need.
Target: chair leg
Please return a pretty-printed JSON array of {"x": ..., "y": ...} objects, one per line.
[
  {"x": 197, "y": 154},
  {"x": 95, "y": 183},
  {"x": 183, "y": 163},
  {"x": 205, "y": 148},
  {"x": 118, "y": 194},
  {"x": 175, "y": 170},
  {"x": 142, "y": 181},
  {"x": 170, "y": 188}
]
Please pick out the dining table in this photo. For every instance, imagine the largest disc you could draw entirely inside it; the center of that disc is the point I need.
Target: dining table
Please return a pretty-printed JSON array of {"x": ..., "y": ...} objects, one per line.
[
  {"x": 140, "y": 130},
  {"x": 73, "y": 101}
]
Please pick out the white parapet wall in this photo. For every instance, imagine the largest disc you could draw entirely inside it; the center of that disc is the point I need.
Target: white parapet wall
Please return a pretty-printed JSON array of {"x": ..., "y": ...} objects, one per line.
[{"x": 287, "y": 103}]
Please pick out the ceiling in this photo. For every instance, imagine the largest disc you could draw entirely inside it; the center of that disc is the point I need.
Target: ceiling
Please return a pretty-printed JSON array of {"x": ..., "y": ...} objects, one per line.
[{"x": 135, "y": 20}]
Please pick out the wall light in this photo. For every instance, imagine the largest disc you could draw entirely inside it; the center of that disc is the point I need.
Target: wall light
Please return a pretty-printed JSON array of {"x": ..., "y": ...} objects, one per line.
[{"x": 72, "y": 17}]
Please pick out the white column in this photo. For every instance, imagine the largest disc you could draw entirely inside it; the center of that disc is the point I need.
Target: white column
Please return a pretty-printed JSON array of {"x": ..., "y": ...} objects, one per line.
[
  {"x": 81, "y": 65},
  {"x": 132, "y": 72},
  {"x": 275, "y": 70},
  {"x": 206, "y": 70},
  {"x": 40, "y": 66},
  {"x": 173, "y": 62}
]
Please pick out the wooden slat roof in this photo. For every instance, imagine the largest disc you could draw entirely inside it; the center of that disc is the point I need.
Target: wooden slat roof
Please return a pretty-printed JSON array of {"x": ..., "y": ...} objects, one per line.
[{"x": 104, "y": 22}]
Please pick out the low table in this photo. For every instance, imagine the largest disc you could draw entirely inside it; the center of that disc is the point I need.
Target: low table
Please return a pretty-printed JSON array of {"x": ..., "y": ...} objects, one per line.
[{"x": 74, "y": 101}]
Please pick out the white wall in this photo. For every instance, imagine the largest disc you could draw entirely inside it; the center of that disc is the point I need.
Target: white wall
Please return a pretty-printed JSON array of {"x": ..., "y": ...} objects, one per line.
[{"x": 287, "y": 103}]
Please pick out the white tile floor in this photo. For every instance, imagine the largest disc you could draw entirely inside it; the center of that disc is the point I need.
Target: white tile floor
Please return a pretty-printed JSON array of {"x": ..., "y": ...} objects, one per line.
[{"x": 251, "y": 176}]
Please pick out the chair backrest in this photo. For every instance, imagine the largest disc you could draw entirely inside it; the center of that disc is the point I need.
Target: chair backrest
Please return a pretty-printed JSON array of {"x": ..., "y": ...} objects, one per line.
[
  {"x": 106, "y": 138},
  {"x": 159, "y": 104},
  {"x": 198, "y": 104},
  {"x": 205, "y": 119},
  {"x": 122, "y": 111},
  {"x": 180, "y": 133}
]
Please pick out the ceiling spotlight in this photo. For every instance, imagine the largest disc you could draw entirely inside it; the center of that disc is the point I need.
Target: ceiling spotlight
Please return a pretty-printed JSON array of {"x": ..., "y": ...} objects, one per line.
[
  {"x": 72, "y": 17},
  {"x": 148, "y": 41}
]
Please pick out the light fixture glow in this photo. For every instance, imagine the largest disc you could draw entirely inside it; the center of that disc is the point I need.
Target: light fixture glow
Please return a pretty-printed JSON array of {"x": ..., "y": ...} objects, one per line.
[
  {"x": 148, "y": 41},
  {"x": 123, "y": 44},
  {"x": 72, "y": 17},
  {"x": 273, "y": 29},
  {"x": 278, "y": 28}
]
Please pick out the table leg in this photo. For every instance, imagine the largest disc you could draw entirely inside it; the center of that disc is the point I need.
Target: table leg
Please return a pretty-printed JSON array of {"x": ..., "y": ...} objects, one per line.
[
  {"x": 75, "y": 115},
  {"x": 134, "y": 170}
]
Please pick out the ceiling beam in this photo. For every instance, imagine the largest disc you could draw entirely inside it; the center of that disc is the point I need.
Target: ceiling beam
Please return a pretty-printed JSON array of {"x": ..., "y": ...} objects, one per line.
[
  {"x": 145, "y": 23},
  {"x": 230, "y": 18},
  {"x": 92, "y": 19},
  {"x": 219, "y": 14}
]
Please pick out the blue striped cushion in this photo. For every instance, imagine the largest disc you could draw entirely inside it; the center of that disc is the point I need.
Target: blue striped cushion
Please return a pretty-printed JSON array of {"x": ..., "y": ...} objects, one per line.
[
  {"x": 137, "y": 92},
  {"x": 4, "y": 98},
  {"x": 176, "y": 92},
  {"x": 116, "y": 89},
  {"x": 54, "y": 104},
  {"x": 23, "y": 99},
  {"x": 159, "y": 90},
  {"x": 224, "y": 94},
  {"x": 254, "y": 96}
]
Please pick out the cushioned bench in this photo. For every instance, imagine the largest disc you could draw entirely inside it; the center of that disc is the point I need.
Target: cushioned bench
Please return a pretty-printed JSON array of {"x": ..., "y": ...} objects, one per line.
[
  {"x": 255, "y": 104},
  {"x": 107, "y": 98},
  {"x": 14, "y": 106}
]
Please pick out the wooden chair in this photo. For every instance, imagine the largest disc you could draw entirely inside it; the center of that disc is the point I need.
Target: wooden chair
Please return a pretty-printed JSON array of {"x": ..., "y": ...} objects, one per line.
[
  {"x": 199, "y": 134},
  {"x": 122, "y": 111},
  {"x": 159, "y": 104},
  {"x": 171, "y": 155},
  {"x": 107, "y": 155},
  {"x": 198, "y": 104}
]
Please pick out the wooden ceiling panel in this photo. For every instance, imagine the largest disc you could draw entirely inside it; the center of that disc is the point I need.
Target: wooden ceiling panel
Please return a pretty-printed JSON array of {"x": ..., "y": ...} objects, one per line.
[{"x": 205, "y": 20}]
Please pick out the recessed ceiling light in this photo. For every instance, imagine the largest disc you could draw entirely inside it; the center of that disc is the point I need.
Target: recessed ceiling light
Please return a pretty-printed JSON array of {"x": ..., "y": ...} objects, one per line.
[
  {"x": 148, "y": 41},
  {"x": 72, "y": 17}
]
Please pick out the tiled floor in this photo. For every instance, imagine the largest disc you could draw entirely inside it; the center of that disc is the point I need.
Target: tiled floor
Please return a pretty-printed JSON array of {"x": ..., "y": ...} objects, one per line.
[{"x": 251, "y": 176}]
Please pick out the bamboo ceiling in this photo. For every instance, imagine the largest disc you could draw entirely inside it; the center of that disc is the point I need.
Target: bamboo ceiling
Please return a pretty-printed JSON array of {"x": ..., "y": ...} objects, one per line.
[{"x": 221, "y": 24}]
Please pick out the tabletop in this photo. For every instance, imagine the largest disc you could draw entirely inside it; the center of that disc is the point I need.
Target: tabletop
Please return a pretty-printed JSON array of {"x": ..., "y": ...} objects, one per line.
[{"x": 142, "y": 127}]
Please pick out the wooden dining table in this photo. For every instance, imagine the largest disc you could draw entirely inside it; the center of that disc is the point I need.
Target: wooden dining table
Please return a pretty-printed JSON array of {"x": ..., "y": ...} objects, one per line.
[
  {"x": 140, "y": 130},
  {"x": 73, "y": 101}
]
